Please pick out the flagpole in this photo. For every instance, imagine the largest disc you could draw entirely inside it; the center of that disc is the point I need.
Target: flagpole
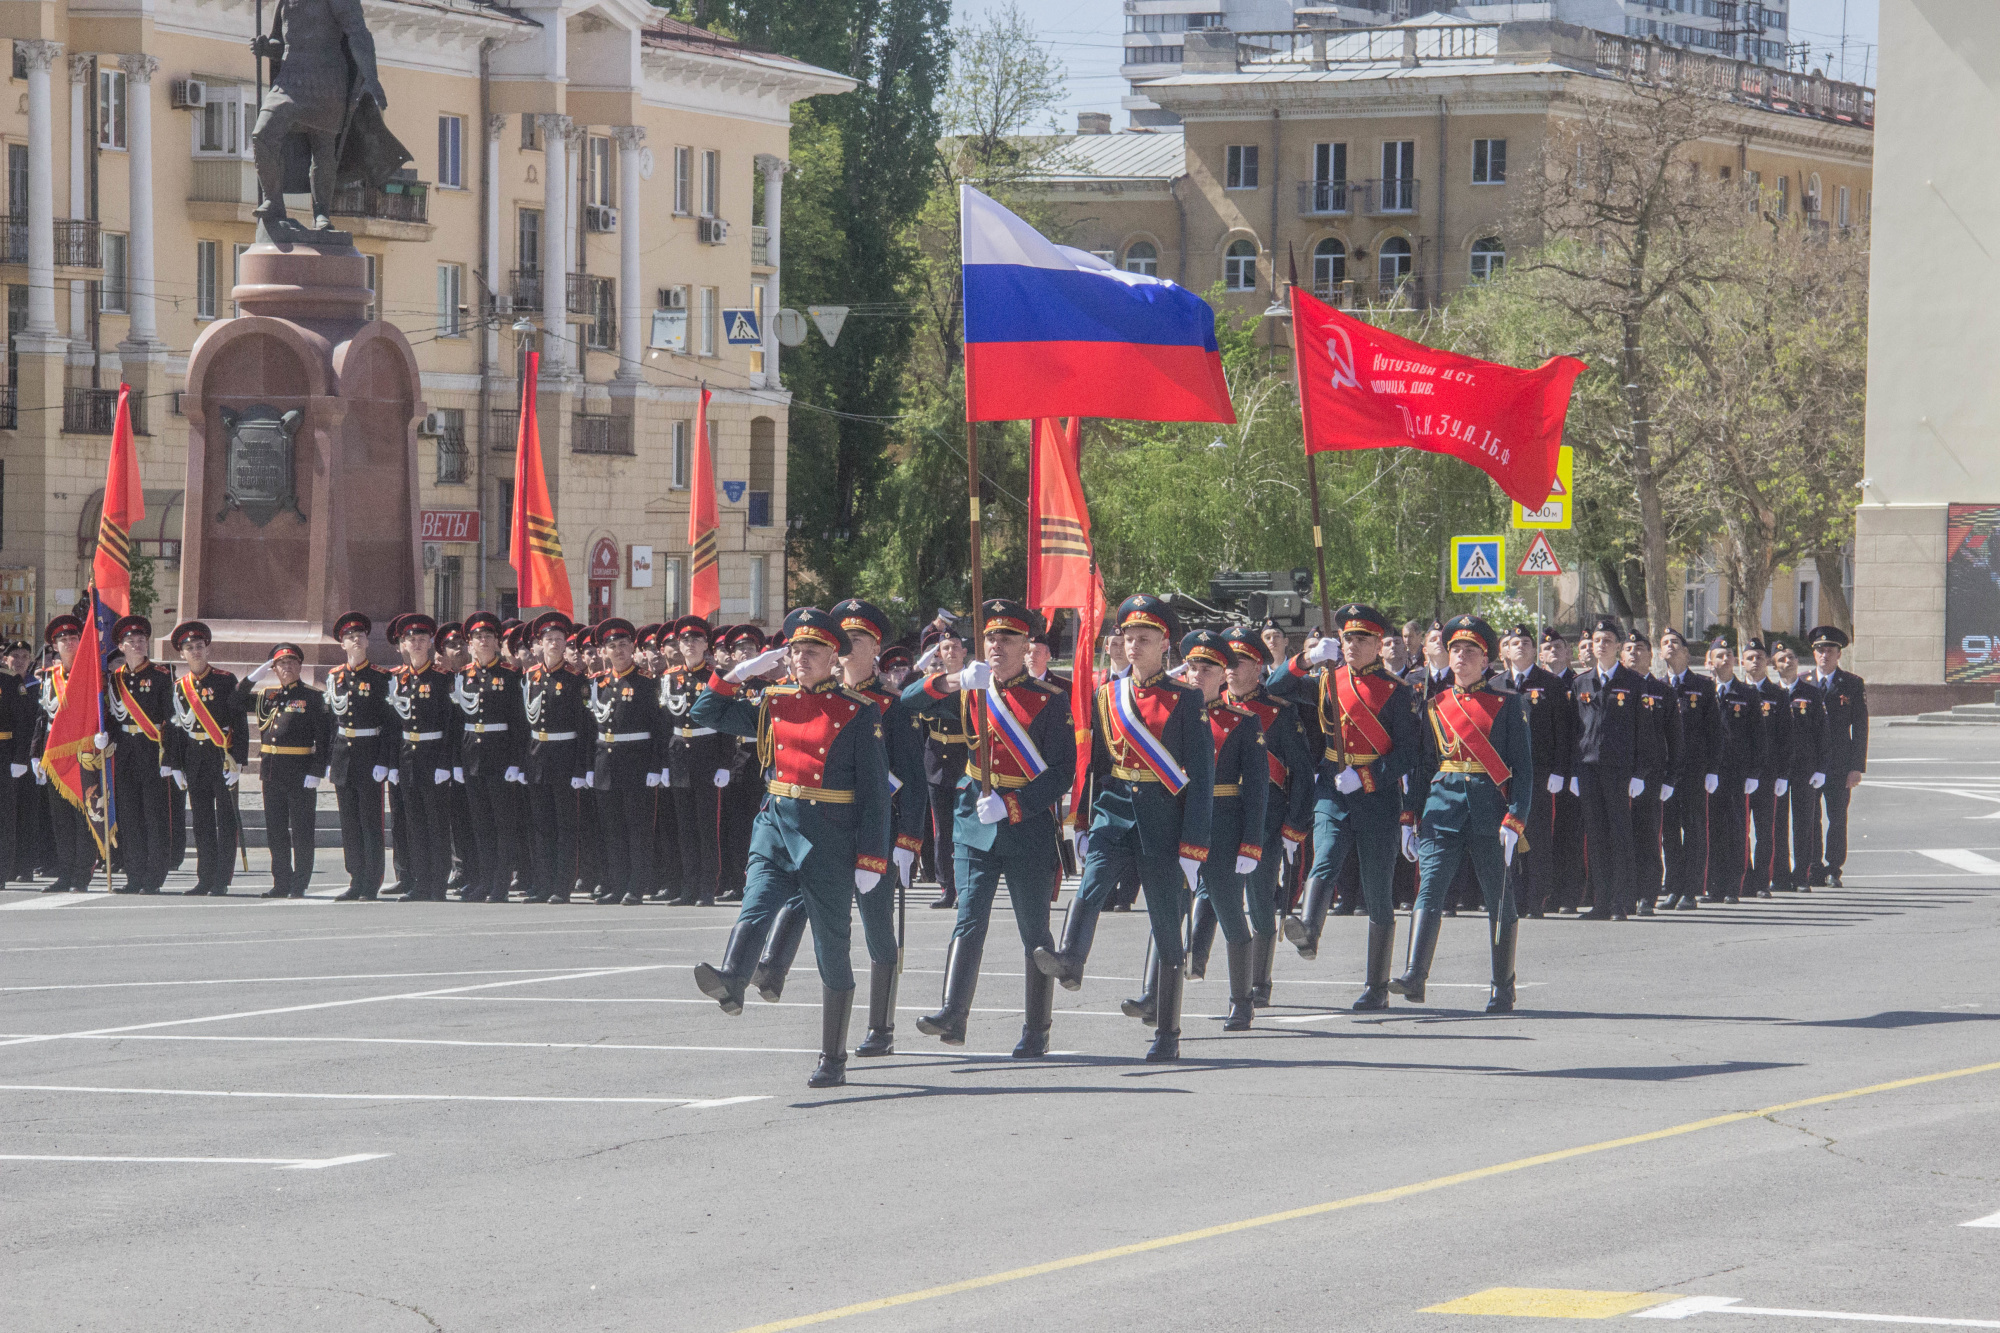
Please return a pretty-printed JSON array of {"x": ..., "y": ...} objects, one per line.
[
  {"x": 978, "y": 599},
  {"x": 1312, "y": 469}
]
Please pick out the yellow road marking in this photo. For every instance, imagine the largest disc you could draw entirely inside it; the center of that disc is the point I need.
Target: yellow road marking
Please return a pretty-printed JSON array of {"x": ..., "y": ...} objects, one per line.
[
  {"x": 1340, "y": 1205},
  {"x": 1550, "y": 1303}
]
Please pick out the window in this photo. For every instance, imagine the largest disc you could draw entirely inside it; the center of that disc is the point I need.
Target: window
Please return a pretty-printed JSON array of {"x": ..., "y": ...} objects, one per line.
[
  {"x": 451, "y": 460},
  {"x": 1329, "y": 266},
  {"x": 600, "y": 171},
  {"x": 1239, "y": 266},
  {"x": 110, "y": 108},
  {"x": 1489, "y": 161},
  {"x": 20, "y": 61},
  {"x": 223, "y": 128},
  {"x": 1784, "y": 197},
  {"x": 528, "y": 239},
  {"x": 711, "y": 312},
  {"x": 1840, "y": 202},
  {"x": 1393, "y": 262},
  {"x": 680, "y": 461},
  {"x": 113, "y": 292},
  {"x": 670, "y": 579},
  {"x": 601, "y": 302},
  {"x": 711, "y": 182},
  {"x": 236, "y": 274},
  {"x": 1753, "y": 190},
  {"x": 1240, "y": 167},
  {"x": 451, "y": 291},
  {"x": 374, "y": 284},
  {"x": 763, "y": 470},
  {"x": 1811, "y": 201},
  {"x": 451, "y": 146},
  {"x": 1808, "y": 607},
  {"x": 1142, "y": 257},
  {"x": 1153, "y": 55},
  {"x": 1330, "y": 163},
  {"x": 757, "y": 569},
  {"x": 683, "y": 181},
  {"x": 204, "y": 279},
  {"x": 1488, "y": 258}
]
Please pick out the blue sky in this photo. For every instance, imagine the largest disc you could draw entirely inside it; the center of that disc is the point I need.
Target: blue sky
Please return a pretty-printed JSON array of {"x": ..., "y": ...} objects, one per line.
[{"x": 1087, "y": 34}]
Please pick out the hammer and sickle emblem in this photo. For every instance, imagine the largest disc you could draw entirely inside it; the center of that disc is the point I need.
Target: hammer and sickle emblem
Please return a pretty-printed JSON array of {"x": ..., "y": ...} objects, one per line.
[{"x": 1341, "y": 353}]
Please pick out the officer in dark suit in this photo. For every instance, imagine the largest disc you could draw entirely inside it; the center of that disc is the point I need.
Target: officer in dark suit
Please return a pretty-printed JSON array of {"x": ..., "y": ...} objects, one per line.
[
  {"x": 1605, "y": 768},
  {"x": 1844, "y": 697},
  {"x": 1746, "y": 747},
  {"x": 1684, "y": 828},
  {"x": 420, "y": 695},
  {"x": 1551, "y": 732},
  {"x": 362, "y": 749},
  {"x": 1659, "y": 766},
  {"x": 139, "y": 712},
  {"x": 630, "y": 755},
  {"x": 213, "y": 749},
  {"x": 561, "y": 741},
  {"x": 492, "y": 734},
  {"x": 1774, "y": 780},
  {"x": 293, "y": 730},
  {"x": 1796, "y": 842}
]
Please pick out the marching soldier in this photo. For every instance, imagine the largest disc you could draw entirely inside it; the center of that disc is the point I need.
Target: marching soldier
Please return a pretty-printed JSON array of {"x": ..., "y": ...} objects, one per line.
[
  {"x": 823, "y": 829},
  {"x": 1774, "y": 781},
  {"x": 945, "y": 754},
  {"x": 745, "y": 791},
  {"x": 1745, "y": 747},
  {"x": 1796, "y": 841},
  {"x": 73, "y": 850},
  {"x": 139, "y": 702},
  {"x": 1658, "y": 768},
  {"x": 492, "y": 743},
  {"x": 697, "y": 768},
  {"x": 1685, "y": 829},
  {"x": 556, "y": 707},
  {"x": 212, "y": 756},
  {"x": 1604, "y": 765},
  {"x": 1545, "y": 702},
  {"x": 1370, "y": 721},
  {"x": 420, "y": 693},
  {"x": 1005, "y": 824},
  {"x": 1844, "y": 697},
  {"x": 362, "y": 750},
  {"x": 293, "y": 726},
  {"x": 1470, "y": 793},
  {"x": 1153, "y": 772},
  {"x": 629, "y": 758}
]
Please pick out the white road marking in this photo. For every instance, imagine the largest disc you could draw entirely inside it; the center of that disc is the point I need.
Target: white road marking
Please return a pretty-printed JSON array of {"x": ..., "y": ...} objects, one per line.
[
  {"x": 258, "y": 981},
  {"x": 1959, "y": 858},
  {"x": 1689, "y": 1306},
  {"x": 516, "y": 1045},
  {"x": 46, "y": 900},
  {"x": 1993, "y": 1221},
  {"x": 755, "y": 1007},
  {"x": 378, "y": 1096},
  {"x": 261, "y": 940},
  {"x": 282, "y": 1163}
]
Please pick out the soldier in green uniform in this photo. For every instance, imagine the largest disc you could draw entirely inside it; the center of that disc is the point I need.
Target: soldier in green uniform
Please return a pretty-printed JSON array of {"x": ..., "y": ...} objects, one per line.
[{"x": 1470, "y": 793}]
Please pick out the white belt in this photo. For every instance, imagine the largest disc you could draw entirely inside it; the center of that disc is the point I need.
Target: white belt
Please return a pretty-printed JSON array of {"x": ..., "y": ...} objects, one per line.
[
  {"x": 352, "y": 732},
  {"x": 694, "y": 731},
  {"x": 482, "y": 728},
  {"x": 553, "y": 735},
  {"x": 423, "y": 735},
  {"x": 616, "y": 736}
]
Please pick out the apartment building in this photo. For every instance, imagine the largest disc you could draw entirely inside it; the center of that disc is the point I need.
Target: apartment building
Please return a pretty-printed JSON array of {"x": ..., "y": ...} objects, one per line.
[{"x": 591, "y": 179}]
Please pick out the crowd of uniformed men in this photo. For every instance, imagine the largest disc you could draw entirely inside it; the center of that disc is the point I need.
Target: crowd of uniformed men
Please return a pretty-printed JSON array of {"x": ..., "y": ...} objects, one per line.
[{"x": 1248, "y": 789}]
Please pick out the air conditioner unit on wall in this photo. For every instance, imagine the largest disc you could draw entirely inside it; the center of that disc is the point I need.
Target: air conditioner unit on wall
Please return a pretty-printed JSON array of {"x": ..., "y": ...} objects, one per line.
[
  {"x": 600, "y": 217},
  {"x": 190, "y": 94},
  {"x": 433, "y": 424},
  {"x": 711, "y": 231}
]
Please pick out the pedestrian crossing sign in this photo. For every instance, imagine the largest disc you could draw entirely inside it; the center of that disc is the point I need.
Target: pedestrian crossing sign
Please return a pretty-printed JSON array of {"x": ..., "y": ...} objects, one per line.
[
  {"x": 1541, "y": 557},
  {"x": 740, "y": 328},
  {"x": 1555, "y": 511},
  {"x": 1478, "y": 564}
]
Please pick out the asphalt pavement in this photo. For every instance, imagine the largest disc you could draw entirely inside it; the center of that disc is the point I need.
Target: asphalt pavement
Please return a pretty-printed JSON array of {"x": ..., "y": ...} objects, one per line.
[{"x": 302, "y": 1116}]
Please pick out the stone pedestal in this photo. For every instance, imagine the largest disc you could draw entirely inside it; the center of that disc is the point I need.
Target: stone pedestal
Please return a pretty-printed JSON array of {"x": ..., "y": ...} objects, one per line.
[{"x": 302, "y": 464}]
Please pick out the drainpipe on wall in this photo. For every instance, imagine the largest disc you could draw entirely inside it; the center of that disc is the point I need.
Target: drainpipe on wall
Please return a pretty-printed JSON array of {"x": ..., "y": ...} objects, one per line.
[
  {"x": 1180, "y": 206},
  {"x": 1444, "y": 171},
  {"x": 484, "y": 413},
  {"x": 1277, "y": 156}
]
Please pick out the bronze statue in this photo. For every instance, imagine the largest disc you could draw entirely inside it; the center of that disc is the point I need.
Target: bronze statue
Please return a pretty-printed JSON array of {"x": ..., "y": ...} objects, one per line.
[{"x": 321, "y": 125}]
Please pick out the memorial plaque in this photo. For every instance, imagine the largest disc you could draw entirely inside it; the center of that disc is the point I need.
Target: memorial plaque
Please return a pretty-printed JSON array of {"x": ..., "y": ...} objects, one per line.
[{"x": 259, "y": 469}]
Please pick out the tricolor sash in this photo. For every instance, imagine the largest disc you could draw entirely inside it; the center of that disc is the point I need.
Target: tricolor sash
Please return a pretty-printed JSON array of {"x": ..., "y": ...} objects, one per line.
[
  {"x": 217, "y": 734},
  {"x": 1469, "y": 727},
  {"x": 1013, "y": 733},
  {"x": 1132, "y": 729},
  {"x": 1356, "y": 710}
]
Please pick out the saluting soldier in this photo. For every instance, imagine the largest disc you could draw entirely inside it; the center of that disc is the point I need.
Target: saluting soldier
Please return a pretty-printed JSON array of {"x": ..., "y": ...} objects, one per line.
[
  {"x": 1470, "y": 794},
  {"x": 1774, "y": 780},
  {"x": 1659, "y": 766},
  {"x": 945, "y": 753},
  {"x": 823, "y": 830},
  {"x": 1844, "y": 697},
  {"x": 1533, "y": 873},
  {"x": 627, "y": 770},
  {"x": 362, "y": 750},
  {"x": 1153, "y": 770},
  {"x": 1796, "y": 841},
  {"x": 73, "y": 850},
  {"x": 1005, "y": 825},
  {"x": 561, "y": 740},
  {"x": 293, "y": 730},
  {"x": 1605, "y": 766},
  {"x": 1685, "y": 827},
  {"x": 140, "y": 709},
  {"x": 1370, "y": 722},
  {"x": 1746, "y": 743},
  {"x": 697, "y": 768},
  {"x": 420, "y": 694},
  {"x": 213, "y": 752}
]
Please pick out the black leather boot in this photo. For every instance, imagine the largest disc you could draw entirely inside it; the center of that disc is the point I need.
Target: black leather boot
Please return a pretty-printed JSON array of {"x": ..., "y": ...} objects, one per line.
[
  {"x": 1201, "y": 939},
  {"x": 834, "y": 1008},
  {"x": 1303, "y": 930},
  {"x": 1423, "y": 948},
  {"x": 1505, "y": 935},
  {"x": 1263, "y": 953},
  {"x": 1040, "y": 1015},
  {"x": 1166, "y": 1045},
  {"x": 1381, "y": 948},
  {"x": 1066, "y": 965},
  {"x": 1239, "y": 986},
  {"x": 725, "y": 984},
  {"x": 961, "y": 978},
  {"x": 1145, "y": 1007},
  {"x": 881, "y": 1038},
  {"x": 788, "y": 927}
]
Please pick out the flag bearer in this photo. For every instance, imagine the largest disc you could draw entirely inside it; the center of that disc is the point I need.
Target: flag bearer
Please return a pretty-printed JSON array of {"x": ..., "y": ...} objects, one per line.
[
  {"x": 213, "y": 753},
  {"x": 140, "y": 706}
]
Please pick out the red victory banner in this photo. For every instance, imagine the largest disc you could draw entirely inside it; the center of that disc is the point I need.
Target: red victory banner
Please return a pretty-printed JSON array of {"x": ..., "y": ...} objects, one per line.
[
  {"x": 1059, "y": 536},
  {"x": 536, "y": 552},
  {"x": 72, "y": 758},
  {"x": 1363, "y": 388},
  {"x": 704, "y": 579},
  {"x": 124, "y": 506}
]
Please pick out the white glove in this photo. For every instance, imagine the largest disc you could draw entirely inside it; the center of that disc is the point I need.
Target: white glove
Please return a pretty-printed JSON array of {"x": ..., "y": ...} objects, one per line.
[
  {"x": 1192, "y": 869},
  {"x": 1179, "y": 672},
  {"x": 1082, "y": 849},
  {"x": 1634, "y": 787},
  {"x": 440, "y": 776},
  {"x": 180, "y": 780},
  {"x": 1555, "y": 783},
  {"x": 1666, "y": 791},
  {"x": 652, "y": 779},
  {"x": 1749, "y": 786},
  {"x": 1817, "y": 781},
  {"x": 1326, "y": 650},
  {"x": 1348, "y": 779},
  {"x": 394, "y": 774},
  {"x": 578, "y": 784},
  {"x": 975, "y": 676},
  {"x": 865, "y": 880},
  {"x": 666, "y": 777},
  {"x": 458, "y": 775},
  {"x": 1710, "y": 783},
  {"x": 1246, "y": 865},
  {"x": 1409, "y": 842},
  {"x": 1780, "y": 786},
  {"x": 924, "y": 663},
  {"x": 231, "y": 778},
  {"x": 18, "y": 769},
  {"x": 513, "y": 774},
  {"x": 1508, "y": 840},
  {"x": 721, "y": 777},
  {"x": 261, "y": 672},
  {"x": 992, "y": 809},
  {"x": 38, "y": 770},
  {"x": 756, "y": 666},
  {"x": 312, "y": 781},
  {"x": 906, "y": 861},
  {"x": 1573, "y": 788},
  {"x": 102, "y": 740},
  {"x": 379, "y": 773}
]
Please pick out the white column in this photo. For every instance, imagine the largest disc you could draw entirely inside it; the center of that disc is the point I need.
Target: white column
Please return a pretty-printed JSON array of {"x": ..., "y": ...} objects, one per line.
[
  {"x": 557, "y": 355},
  {"x": 774, "y": 169},
  {"x": 139, "y": 71},
  {"x": 41, "y": 192},
  {"x": 631, "y": 334},
  {"x": 82, "y": 69}
]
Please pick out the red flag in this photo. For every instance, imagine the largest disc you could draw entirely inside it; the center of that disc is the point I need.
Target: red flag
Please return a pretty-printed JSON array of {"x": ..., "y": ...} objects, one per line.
[
  {"x": 71, "y": 759},
  {"x": 124, "y": 506},
  {"x": 1364, "y": 388},
  {"x": 1059, "y": 538},
  {"x": 1083, "y": 690},
  {"x": 704, "y": 579},
  {"x": 535, "y": 547}
]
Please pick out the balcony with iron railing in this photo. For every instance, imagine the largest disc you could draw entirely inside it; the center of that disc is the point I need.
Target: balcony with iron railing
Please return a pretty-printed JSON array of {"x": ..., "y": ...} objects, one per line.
[
  {"x": 526, "y": 288},
  {"x": 1320, "y": 199},
  {"x": 597, "y": 433},
  {"x": 89, "y": 411},
  {"x": 76, "y": 242},
  {"x": 396, "y": 201},
  {"x": 10, "y": 407},
  {"x": 1391, "y": 196}
]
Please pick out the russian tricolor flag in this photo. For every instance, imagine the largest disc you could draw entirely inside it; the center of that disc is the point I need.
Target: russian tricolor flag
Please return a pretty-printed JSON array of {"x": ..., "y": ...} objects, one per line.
[{"x": 1052, "y": 331}]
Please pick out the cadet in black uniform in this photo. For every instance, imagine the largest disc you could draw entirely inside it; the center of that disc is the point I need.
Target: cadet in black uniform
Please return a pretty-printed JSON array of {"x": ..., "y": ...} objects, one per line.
[
  {"x": 362, "y": 749},
  {"x": 1844, "y": 698},
  {"x": 293, "y": 730},
  {"x": 1746, "y": 740},
  {"x": 561, "y": 739},
  {"x": 1659, "y": 766},
  {"x": 1605, "y": 767},
  {"x": 492, "y": 734},
  {"x": 139, "y": 713},
  {"x": 213, "y": 749},
  {"x": 626, "y": 707},
  {"x": 697, "y": 768},
  {"x": 1684, "y": 828},
  {"x": 1567, "y": 894},
  {"x": 1551, "y": 732},
  {"x": 420, "y": 693},
  {"x": 1796, "y": 841},
  {"x": 17, "y": 727},
  {"x": 1774, "y": 779}
]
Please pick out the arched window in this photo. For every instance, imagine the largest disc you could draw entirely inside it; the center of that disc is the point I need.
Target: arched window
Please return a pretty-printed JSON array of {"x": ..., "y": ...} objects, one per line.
[
  {"x": 1811, "y": 201},
  {"x": 1393, "y": 262},
  {"x": 1488, "y": 258},
  {"x": 1329, "y": 266},
  {"x": 1142, "y": 257},
  {"x": 1239, "y": 266}
]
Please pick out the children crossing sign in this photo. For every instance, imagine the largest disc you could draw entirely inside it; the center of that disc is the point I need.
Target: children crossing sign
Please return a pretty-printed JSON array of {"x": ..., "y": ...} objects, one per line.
[
  {"x": 1555, "y": 511},
  {"x": 1478, "y": 564},
  {"x": 1541, "y": 557}
]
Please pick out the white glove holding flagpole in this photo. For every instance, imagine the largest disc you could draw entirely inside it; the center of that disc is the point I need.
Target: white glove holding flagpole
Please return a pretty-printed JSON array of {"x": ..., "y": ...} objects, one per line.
[{"x": 1324, "y": 650}]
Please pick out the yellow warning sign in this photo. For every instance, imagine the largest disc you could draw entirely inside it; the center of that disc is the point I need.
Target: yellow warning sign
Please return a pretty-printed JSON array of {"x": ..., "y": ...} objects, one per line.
[{"x": 1555, "y": 511}]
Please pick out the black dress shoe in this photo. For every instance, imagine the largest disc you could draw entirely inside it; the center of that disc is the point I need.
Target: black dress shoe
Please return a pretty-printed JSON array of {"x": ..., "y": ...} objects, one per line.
[
  {"x": 60, "y": 887},
  {"x": 1646, "y": 908},
  {"x": 949, "y": 903},
  {"x": 1595, "y": 914},
  {"x": 634, "y": 900},
  {"x": 272, "y": 893},
  {"x": 352, "y": 895}
]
